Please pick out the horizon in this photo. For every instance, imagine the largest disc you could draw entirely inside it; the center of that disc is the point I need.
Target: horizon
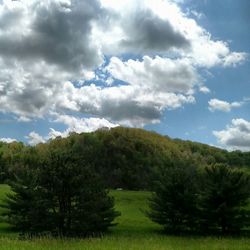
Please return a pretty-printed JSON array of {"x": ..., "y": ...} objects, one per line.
[
  {"x": 176, "y": 67},
  {"x": 109, "y": 129}
]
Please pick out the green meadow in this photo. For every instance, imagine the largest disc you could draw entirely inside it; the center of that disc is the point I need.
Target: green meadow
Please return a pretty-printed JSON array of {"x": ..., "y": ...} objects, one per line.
[{"x": 133, "y": 231}]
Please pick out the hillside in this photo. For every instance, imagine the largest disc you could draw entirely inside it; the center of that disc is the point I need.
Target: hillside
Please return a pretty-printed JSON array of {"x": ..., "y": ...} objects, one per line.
[{"x": 125, "y": 158}]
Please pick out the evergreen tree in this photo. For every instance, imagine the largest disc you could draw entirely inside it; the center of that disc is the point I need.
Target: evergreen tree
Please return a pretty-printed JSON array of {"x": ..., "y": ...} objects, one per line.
[
  {"x": 21, "y": 205},
  {"x": 174, "y": 203},
  {"x": 224, "y": 195},
  {"x": 60, "y": 197}
]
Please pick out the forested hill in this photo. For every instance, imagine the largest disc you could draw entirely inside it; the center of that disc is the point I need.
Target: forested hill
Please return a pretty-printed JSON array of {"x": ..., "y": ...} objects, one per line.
[{"x": 124, "y": 157}]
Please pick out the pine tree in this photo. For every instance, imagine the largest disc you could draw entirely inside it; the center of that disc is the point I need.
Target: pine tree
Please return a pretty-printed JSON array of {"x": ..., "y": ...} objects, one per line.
[
  {"x": 224, "y": 196},
  {"x": 60, "y": 197},
  {"x": 174, "y": 203}
]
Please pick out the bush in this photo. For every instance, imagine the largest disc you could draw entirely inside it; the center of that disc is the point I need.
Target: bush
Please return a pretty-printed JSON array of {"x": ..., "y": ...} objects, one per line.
[{"x": 59, "y": 197}]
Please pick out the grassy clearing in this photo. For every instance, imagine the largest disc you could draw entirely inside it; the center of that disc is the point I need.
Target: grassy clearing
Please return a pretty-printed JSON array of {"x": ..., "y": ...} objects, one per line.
[
  {"x": 134, "y": 231},
  {"x": 132, "y": 205}
]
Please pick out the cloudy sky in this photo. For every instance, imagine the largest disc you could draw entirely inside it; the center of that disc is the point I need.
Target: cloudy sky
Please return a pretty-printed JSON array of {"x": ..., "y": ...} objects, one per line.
[{"x": 179, "y": 67}]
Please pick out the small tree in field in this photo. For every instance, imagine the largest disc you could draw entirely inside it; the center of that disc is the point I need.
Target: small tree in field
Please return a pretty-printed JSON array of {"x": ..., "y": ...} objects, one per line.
[
  {"x": 60, "y": 197},
  {"x": 174, "y": 203},
  {"x": 225, "y": 194}
]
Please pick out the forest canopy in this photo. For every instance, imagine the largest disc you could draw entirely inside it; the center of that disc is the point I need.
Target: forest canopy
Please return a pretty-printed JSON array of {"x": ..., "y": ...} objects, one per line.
[{"x": 126, "y": 158}]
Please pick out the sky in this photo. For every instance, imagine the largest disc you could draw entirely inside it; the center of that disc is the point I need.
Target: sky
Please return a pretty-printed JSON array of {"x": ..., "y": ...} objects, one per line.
[{"x": 177, "y": 67}]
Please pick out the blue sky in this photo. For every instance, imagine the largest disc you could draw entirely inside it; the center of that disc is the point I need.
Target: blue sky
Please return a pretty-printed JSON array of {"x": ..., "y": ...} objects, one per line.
[
  {"x": 180, "y": 68},
  {"x": 227, "y": 20}
]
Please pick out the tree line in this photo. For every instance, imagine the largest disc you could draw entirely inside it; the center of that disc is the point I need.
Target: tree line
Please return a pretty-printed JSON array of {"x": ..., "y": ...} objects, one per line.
[{"x": 124, "y": 157}]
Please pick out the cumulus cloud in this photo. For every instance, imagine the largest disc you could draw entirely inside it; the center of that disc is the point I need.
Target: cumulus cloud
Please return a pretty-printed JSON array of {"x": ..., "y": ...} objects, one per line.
[
  {"x": 158, "y": 74},
  {"x": 52, "y": 43},
  {"x": 156, "y": 26},
  {"x": 234, "y": 58},
  {"x": 127, "y": 105},
  {"x": 204, "y": 89},
  {"x": 57, "y": 32},
  {"x": 236, "y": 135},
  {"x": 216, "y": 104},
  {"x": 148, "y": 32},
  {"x": 74, "y": 124},
  {"x": 7, "y": 140},
  {"x": 50, "y": 50},
  {"x": 34, "y": 138},
  {"x": 139, "y": 27},
  {"x": 79, "y": 125}
]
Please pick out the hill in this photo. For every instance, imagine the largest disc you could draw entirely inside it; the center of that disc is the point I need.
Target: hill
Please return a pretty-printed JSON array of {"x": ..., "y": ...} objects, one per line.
[{"x": 126, "y": 158}]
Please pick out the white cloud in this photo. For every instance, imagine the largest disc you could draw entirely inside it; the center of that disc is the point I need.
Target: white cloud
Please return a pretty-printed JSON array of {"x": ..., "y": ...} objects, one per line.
[
  {"x": 135, "y": 31},
  {"x": 215, "y": 104},
  {"x": 79, "y": 125},
  {"x": 34, "y": 138},
  {"x": 158, "y": 74},
  {"x": 236, "y": 135},
  {"x": 208, "y": 53},
  {"x": 128, "y": 105},
  {"x": 204, "y": 89},
  {"x": 7, "y": 140},
  {"x": 23, "y": 119},
  {"x": 74, "y": 124},
  {"x": 49, "y": 49},
  {"x": 234, "y": 58}
]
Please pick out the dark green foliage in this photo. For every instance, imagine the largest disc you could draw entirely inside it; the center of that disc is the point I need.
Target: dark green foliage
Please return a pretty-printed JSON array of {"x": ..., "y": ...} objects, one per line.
[
  {"x": 60, "y": 197},
  {"x": 3, "y": 169},
  {"x": 206, "y": 155},
  {"x": 9, "y": 158},
  {"x": 20, "y": 207},
  {"x": 130, "y": 157},
  {"x": 213, "y": 200},
  {"x": 174, "y": 203},
  {"x": 125, "y": 158},
  {"x": 224, "y": 196}
]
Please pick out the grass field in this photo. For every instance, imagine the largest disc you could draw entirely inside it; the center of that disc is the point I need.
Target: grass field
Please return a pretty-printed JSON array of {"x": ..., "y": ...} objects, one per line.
[{"x": 134, "y": 231}]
